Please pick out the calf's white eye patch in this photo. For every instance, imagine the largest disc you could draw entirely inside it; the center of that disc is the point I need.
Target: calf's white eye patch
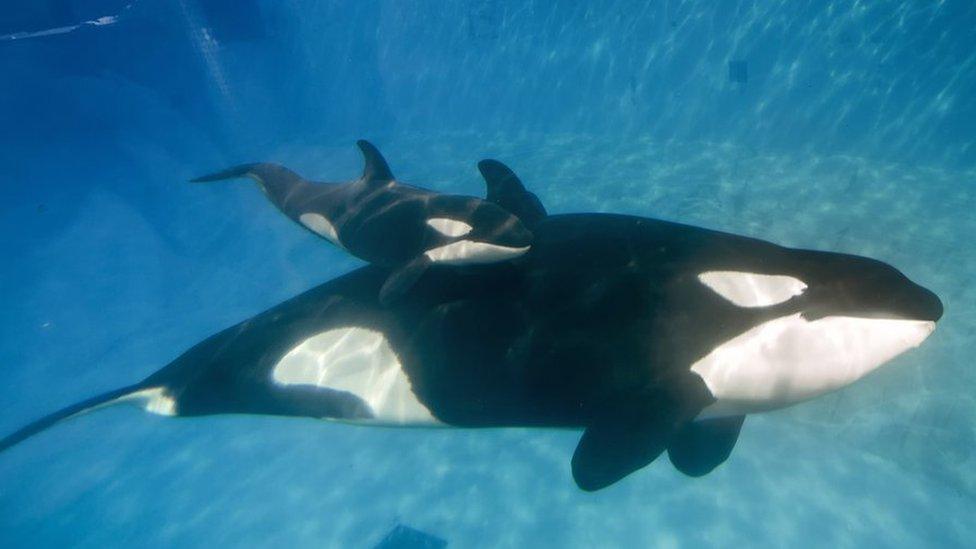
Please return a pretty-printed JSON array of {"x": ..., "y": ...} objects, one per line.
[
  {"x": 449, "y": 227},
  {"x": 752, "y": 289}
]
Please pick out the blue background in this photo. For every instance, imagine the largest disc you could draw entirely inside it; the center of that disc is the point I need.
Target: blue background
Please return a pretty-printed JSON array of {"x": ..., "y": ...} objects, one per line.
[{"x": 853, "y": 132}]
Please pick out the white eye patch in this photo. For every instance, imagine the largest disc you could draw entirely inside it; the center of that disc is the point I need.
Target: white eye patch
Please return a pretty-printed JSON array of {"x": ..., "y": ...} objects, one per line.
[
  {"x": 752, "y": 289},
  {"x": 449, "y": 227}
]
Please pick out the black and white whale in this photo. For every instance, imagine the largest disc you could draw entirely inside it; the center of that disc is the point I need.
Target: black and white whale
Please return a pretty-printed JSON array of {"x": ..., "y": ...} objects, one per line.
[
  {"x": 388, "y": 223},
  {"x": 651, "y": 336}
]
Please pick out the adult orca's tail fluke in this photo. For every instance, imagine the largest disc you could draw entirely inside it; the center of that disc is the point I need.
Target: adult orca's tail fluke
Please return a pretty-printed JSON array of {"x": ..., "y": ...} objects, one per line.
[{"x": 124, "y": 394}]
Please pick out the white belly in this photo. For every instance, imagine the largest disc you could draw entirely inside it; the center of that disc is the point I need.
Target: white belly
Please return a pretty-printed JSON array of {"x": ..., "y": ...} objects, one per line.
[
  {"x": 358, "y": 361},
  {"x": 468, "y": 252},
  {"x": 790, "y": 359}
]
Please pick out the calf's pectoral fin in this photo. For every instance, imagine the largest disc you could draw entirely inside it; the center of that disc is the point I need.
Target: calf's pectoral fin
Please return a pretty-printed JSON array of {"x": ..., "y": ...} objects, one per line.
[
  {"x": 698, "y": 447},
  {"x": 403, "y": 278}
]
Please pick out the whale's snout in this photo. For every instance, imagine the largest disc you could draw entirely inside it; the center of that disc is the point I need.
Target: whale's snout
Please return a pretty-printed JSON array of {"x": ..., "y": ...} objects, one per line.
[
  {"x": 913, "y": 302},
  {"x": 928, "y": 306}
]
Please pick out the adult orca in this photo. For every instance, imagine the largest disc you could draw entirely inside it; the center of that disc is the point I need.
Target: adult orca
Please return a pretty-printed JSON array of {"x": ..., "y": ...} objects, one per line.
[
  {"x": 389, "y": 223},
  {"x": 649, "y": 335}
]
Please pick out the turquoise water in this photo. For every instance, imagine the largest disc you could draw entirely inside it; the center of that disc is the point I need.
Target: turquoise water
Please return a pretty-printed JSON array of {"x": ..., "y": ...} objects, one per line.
[{"x": 851, "y": 130}]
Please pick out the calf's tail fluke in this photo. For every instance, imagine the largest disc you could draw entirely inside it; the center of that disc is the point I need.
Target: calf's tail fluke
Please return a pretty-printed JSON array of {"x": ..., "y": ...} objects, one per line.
[
  {"x": 82, "y": 407},
  {"x": 265, "y": 173},
  {"x": 243, "y": 170}
]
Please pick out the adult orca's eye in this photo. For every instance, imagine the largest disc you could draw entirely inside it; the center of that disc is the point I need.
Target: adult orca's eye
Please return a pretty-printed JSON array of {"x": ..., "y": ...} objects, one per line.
[{"x": 752, "y": 289}]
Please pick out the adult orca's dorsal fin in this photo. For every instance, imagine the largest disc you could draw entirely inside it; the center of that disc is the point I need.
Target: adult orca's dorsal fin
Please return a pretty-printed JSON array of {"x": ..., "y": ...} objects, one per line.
[
  {"x": 507, "y": 190},
  {"x": 375, "y": 167}
]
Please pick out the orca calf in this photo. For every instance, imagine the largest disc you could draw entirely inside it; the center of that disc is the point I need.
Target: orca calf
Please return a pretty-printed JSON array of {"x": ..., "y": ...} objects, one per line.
[
  {"x": 385, "y": 222},
  {"x": 651, "y": 336}
]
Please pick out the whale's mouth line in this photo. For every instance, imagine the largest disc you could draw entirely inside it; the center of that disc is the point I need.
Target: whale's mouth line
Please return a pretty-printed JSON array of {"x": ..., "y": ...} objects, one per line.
[{"x": 812, "y": 315}]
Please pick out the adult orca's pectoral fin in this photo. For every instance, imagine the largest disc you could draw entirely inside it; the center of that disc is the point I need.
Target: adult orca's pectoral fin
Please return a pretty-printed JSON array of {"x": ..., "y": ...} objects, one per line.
[
  {"x": 698, "y": 447},
  {"x": 507, "y": 190},
  {"x": 615, "y": 446},
  {"x": 403, "y": 278},
  {"x": 634, "y": 429},
  {"x": 375, "y": 168}
]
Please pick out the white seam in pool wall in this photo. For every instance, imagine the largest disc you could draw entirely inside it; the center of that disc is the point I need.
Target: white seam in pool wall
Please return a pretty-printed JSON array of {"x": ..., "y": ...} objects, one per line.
[{"x": 102, "y": 21}]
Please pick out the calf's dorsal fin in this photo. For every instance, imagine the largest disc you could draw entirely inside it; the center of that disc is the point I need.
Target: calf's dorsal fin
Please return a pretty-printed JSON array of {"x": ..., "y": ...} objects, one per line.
[{"x": 375, "y": 167}]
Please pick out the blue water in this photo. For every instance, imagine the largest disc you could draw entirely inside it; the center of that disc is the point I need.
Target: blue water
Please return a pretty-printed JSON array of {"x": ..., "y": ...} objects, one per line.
[{"x": 833, "y": 125}]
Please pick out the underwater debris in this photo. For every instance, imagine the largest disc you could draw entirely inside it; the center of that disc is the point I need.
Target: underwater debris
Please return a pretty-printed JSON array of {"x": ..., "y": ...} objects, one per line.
[{"x": 404, "y": 537}]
